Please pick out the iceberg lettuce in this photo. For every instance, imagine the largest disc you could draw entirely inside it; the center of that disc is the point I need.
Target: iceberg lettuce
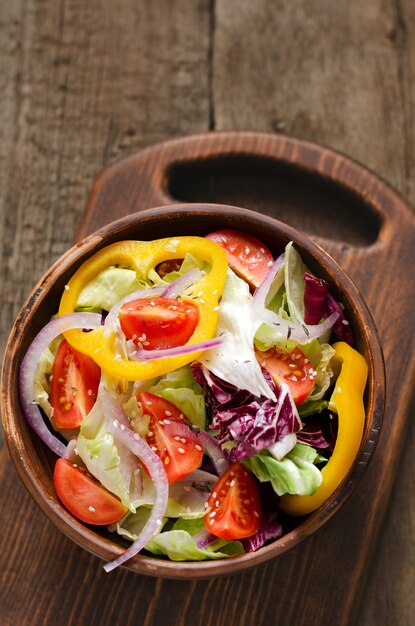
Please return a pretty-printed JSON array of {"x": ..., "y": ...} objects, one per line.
[
  {"x": 296, "y": 473},
  {"x": 108, "y": 288},
  {"x": 234, "y": 360}
]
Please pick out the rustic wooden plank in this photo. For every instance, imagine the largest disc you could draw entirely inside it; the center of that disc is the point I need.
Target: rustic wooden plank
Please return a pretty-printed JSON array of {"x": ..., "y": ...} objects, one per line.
[{"x": 340, "y": 74}]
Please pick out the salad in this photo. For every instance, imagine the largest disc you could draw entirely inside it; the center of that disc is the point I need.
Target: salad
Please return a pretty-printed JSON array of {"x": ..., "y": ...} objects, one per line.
[{"x": 198, "y": 393}]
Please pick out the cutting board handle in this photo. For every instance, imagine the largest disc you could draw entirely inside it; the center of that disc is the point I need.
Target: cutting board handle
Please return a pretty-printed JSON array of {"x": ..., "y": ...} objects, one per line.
[{"x": 366, "y": 213}]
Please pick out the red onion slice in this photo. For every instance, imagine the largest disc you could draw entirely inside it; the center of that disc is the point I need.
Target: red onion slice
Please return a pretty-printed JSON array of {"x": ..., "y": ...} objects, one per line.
[
  {"x": 172, "y": 290},
  {"x": 203, "y": 539},
  {"x": 150, "y": 355},
  {"x": 262, "y": 291},
  {"x": 28, "y": 367},
  {"x": 211, "y": 446},
  {"x": 118, "y": 426}
]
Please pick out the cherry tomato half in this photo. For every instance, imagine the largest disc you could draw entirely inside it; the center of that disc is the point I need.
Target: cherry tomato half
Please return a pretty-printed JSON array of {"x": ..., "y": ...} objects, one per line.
[
  {"x": 84, "y": 497},
  {"x": 234, "y": 508},
  {"x": 171, "y": 438},
  {"x": 74, "y": 386},
  {"x": 159, "y": 323},
  {"x": 247, "y": 256},
  {"x": 292, "y": 368}
]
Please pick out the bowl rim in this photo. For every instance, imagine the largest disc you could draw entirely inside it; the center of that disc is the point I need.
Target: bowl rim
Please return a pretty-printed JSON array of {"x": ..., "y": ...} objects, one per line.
[{"x": 104, "y": 548}]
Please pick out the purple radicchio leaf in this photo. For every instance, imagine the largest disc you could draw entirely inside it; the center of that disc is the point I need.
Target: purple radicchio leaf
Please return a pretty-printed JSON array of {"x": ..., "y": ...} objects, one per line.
[
  {"x": 319, "y": 431},
  {"x": 341, "y": 327},
  {"x": 315, "y": 294},
  {"x": 253, "y": 423},
  {"x": 319, "y": 303},
  {"x": 270, "y": 528}
]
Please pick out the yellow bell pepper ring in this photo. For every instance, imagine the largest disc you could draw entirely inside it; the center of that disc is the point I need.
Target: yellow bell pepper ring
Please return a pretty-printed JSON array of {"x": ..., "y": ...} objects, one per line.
[
  {"x": 347, "y": 402},
  {"x": 143, "y": 256}
]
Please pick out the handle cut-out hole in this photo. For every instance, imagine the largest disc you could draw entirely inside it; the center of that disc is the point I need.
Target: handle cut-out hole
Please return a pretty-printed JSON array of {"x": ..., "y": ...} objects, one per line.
[{"x": 304, "y": 200}]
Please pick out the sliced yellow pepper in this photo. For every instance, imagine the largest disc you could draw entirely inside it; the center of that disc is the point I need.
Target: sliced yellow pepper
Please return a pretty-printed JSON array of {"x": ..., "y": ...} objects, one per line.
[
  {"x": 347, "y": 402},
  {"x": 142, "y": 256}
]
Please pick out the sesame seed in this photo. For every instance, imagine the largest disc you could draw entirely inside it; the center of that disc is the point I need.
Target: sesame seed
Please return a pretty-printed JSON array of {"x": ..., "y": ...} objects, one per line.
[
  {"x": 211, "y": 521},
  {"x": 136, "y": 436},
  {"x": 167, "y": 460},
  {"x": 158, "y": 522},
  {"x": 115, "y": 423},
  {"x": 217, "y": 503},
  {"x": 92, "y": 509},
  {"x": 200, "y": 294},
  {"x": 122, "y": 427},
  {"x": 168, "y": 413},
  {"x": 198, "y": 447},
  {"x": 167, "y": 422},
  {"x": 212, "y": 514},
  {"x": 182, "y": 439},
  {"x": 214, "y": 494},
  {"x": 181, "y": 450},
  {"x": 201, "y": 301},
  {"x": 232, "y": 483},
  {"x": 216, "y": 308},
  {"x": 181, "y": 416},
  {"x": 67, "y": 287},
  {"x": 345, "y": 322},
  {"x": 256, "y": 513},
  {"x": 262, "y": 250},
  {"x": 152, "y": 303},
  {"x": 74, "y": 465},
  {"x": 177, "y": 438},
  {"x": 269, "y": 263},
  {"x": 247, "y": 250},
  {"x": 90, "y": 392},
  {"x": 149, "y": 402},
  {"x": 214, "y": 292},
  {"x": 150, "y": 433},
  {"x": 154, "y": 448}
]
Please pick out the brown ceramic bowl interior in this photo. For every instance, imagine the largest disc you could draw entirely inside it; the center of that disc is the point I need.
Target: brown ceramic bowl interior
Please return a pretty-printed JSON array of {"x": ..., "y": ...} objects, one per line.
[{"x": 34, "y": 462}]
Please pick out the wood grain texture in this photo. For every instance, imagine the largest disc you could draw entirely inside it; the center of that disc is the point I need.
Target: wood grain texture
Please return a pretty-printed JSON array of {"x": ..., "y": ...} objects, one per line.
[{"x": 84, "y": 83}]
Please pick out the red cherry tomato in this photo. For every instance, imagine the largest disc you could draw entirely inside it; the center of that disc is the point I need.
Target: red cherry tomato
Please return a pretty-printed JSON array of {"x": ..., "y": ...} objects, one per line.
[
  {"x": 74, "y": 386},
  {"x": 247, "y": 256},
  {"x": 292, "y": 368},
  {"x": 234, "y": 508},
  {"x": 159, "y": 323},
  {"x": 84, "y": 497},
  {"x": 171, "y": 438}
]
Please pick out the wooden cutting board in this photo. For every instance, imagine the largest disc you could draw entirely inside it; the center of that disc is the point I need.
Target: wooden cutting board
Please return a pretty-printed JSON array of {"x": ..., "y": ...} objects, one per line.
[{"x": 369, "y": 229}]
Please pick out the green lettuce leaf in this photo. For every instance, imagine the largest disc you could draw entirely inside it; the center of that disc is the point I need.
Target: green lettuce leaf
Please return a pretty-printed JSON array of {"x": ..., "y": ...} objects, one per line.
[
  {"x": 294, "y": 270},
  {"x": 181, "y": 388},
  {"x": 296, "y": 473},
  {"x": 234, "y": 360},
  {"x": 114, "y": 465},
  {"x": 320, "y": 356},
  {"x": 41, "y": 381},
  {"x": 178, "y": 544},
  {"x": 108, "y": 288}
]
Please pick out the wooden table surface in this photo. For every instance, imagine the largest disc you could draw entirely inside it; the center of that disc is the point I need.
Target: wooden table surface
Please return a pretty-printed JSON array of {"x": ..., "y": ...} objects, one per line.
[{"x": 85, "y": 83}]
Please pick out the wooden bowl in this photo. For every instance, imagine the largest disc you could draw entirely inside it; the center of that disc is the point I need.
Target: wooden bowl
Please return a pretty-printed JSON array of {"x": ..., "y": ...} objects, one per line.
[{"x": 34, "y": 462}]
